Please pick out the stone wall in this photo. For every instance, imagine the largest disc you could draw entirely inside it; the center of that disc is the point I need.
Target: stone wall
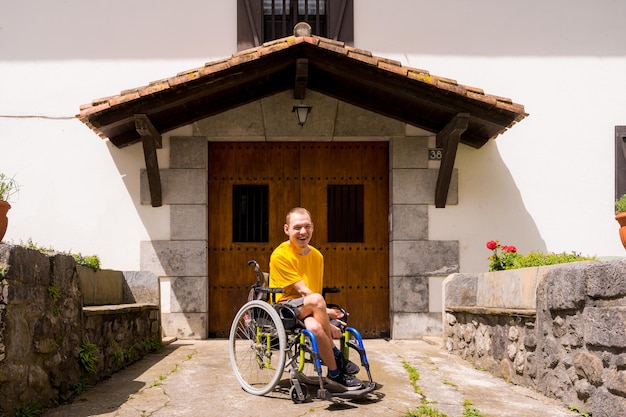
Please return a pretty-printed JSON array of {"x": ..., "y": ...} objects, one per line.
[
  {"x": 43, "y": 326},
  {"x": 571, "y": 346}
]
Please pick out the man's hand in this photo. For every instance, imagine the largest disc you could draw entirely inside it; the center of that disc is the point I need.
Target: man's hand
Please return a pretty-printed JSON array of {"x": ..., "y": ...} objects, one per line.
[
  {"x": 334, "y": 314},
  {"x": 335, "y": 331}
]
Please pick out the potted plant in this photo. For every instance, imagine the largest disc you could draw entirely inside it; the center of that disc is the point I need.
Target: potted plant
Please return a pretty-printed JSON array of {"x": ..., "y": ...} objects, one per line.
[
  {"x": 8, "y": 188},
  {"x": 620, "y": 216}
]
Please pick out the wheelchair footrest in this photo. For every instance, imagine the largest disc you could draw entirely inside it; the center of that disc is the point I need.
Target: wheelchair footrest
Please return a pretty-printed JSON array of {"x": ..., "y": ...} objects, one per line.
[{"x": 369, "y": 387}]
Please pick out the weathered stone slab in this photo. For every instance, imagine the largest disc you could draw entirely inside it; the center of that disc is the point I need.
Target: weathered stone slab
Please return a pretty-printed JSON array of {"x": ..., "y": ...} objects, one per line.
[
  {"x": 188, "y": 222},
  {"x": 185, "y": 325},
  {"x": 410, "y": 222},
  {"x": 409, "y": 152},
  {"x": 101, "y": 287},
  {"x": 604, "y": 326},
  {"x": 27, "y": 265},
  {"x": 174, "y": 258},
  {"x": 409, "y": 294},
  {"x": 188, "y": 152},
  {"x": 460, "y": 290},
  {"x": 179, "y": 186},
  {"x": 141, "y": 287},
  {"x": 564, "y": 287},
  {"x": 417, "y": 186},
  {"x": 606, "y": 279},
  {"x": 415, "y": 325},
  {"x": 413, "y": 258},
  {"x": 189, "y": 295}
]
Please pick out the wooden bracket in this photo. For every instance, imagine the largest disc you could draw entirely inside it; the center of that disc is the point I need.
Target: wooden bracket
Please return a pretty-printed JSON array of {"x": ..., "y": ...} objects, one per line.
[
  {"x": 151, "y": 139},
  {"x": 302, "y": 78},
  {"x": 448, "y": 139}
]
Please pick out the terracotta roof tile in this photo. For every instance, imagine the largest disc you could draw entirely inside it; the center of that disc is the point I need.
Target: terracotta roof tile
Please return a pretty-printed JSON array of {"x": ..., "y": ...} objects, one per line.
[
  {"x": 369, "y": 59},
  {"x": 392, "y": 66}
]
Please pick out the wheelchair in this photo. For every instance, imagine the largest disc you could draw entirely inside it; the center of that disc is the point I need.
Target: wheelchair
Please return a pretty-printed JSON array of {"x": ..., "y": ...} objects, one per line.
[{"x": 266, "y": 340}]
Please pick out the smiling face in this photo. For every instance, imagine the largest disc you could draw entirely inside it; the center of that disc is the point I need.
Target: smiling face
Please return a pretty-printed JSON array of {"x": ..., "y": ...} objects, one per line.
[{"x": 299, "y": 229}]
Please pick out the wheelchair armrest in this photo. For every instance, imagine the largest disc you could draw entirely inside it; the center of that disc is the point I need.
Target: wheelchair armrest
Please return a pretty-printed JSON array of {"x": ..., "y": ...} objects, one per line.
[
  {"x": 330, "y": 290},
  {"x": 273, "y": 290}
]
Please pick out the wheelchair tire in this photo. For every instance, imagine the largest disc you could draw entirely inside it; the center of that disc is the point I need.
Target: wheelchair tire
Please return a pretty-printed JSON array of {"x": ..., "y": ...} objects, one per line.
[
  {"x": 257, "y": 345},
  {"x": 293, "y": 393}
]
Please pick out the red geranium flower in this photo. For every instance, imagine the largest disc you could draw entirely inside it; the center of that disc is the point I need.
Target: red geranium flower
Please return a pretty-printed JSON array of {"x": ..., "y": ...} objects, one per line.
[{"x": 492, "y": 244}]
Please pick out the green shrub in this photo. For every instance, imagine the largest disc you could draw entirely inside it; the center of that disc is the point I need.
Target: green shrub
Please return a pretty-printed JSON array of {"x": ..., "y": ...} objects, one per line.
[
  {"x": 541, "y": 259},
  {"x": 88, "y": 356},
  {"x": 152, "y": 344},
  {"x": 90, "y": 261},
  {"x": 620, "y": 204},
  {"x": 506, "y": 257},
  {"x": 29, "y": 411}
]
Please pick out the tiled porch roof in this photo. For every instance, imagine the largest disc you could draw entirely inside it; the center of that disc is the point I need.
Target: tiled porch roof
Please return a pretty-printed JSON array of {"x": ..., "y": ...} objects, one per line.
[{"x": 353, "y": 75}]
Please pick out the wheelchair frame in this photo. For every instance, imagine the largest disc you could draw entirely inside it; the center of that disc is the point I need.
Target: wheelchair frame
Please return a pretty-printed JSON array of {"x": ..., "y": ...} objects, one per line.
[{"x": 265, "y": 339}]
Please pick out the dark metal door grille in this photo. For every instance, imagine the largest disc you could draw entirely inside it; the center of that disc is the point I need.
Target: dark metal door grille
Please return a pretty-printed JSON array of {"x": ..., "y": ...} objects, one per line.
[
  {"x": 250, "y": 213},
  {"x": 345, "y": 213}
]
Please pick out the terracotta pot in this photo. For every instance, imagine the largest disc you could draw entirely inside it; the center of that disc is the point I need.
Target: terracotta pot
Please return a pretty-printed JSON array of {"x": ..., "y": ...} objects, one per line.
[
  {"x": 621, "y": 219},
  {"x": 4, "y": 220}
]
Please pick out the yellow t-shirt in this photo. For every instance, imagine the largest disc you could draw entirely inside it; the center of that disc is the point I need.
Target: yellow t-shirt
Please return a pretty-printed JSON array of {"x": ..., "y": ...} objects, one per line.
[{"x": 287, "y": 268}]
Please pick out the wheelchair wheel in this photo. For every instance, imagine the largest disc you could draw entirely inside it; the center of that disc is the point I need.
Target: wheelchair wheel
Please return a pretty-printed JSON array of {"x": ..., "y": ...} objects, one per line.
[{"x": 257, "y": 346}]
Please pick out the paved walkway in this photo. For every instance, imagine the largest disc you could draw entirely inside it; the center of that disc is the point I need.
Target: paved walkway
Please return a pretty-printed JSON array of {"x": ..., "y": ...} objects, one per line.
[{"x": 194, "y": 378}]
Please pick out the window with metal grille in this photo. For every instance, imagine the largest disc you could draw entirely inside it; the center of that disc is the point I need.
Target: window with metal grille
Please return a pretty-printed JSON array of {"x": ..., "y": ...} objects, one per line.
[
  {"x": 345, "y": 213},
  {"x": 280, "y": 16},
  {"x": 261, "y": 21},
  {"x": 250, "y": 213}
]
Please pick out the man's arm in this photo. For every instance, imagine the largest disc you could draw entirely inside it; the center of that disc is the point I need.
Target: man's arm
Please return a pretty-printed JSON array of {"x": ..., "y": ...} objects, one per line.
[{"x": 302, "y": 289}]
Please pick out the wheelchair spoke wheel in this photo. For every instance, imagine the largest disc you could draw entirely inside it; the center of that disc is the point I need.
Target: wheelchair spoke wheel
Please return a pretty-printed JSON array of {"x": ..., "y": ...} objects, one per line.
[{"x": 257, "y": 345}]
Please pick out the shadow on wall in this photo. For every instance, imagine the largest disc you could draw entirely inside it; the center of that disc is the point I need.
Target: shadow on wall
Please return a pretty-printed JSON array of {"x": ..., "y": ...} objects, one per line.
[{"x": 490, "y": 208}]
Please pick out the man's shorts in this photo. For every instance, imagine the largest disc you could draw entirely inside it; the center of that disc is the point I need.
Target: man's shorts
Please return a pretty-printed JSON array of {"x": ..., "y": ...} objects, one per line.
[
  {"x": 294, "y": 302},
  {"x": 294, "y": 305}
]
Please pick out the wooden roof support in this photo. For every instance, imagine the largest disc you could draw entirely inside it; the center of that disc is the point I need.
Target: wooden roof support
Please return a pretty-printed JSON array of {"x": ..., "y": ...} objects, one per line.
[
  {"x": 448, "y": 139},
  {"x": 302, "y": 78},
  {"x": 151, "y": 139}
]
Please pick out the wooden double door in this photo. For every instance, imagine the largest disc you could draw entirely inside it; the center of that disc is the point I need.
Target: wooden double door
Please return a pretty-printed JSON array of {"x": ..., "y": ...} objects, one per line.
[{"x": 345, "y": 187}]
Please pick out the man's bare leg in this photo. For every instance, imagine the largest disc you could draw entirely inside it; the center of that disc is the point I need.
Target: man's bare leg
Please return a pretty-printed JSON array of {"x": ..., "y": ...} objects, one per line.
[{"x": 317, "y": 321}]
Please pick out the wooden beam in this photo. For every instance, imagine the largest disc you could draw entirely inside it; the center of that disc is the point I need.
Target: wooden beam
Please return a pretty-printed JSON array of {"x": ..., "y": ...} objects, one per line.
[
  {"x": 302, "y": 78},
  {"x": 448, "y": 139},
  {"x": 151, "y": 139}
]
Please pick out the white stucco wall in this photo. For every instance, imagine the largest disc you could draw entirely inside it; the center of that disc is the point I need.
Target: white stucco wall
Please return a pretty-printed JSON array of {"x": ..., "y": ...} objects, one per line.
[
  {"x": 548, "y": 183},
  {"x": 565, "y": 61},
  {"x": 79, "y": 192}
]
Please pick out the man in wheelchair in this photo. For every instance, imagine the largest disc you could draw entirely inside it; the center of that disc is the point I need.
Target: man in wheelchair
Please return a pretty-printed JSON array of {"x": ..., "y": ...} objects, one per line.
[{"x": 298, "y": 268}]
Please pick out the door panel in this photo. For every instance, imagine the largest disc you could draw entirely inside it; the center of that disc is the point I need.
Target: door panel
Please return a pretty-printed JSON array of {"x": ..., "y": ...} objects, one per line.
[{"x": 298, "y": 174}]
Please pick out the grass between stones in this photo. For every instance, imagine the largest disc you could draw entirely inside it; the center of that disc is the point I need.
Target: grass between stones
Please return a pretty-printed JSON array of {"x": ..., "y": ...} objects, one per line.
[{"x": 425, "y": 409}]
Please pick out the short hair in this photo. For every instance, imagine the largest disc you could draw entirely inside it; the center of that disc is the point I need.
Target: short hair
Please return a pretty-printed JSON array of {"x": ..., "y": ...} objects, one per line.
[{"x": 299, "y": 210}]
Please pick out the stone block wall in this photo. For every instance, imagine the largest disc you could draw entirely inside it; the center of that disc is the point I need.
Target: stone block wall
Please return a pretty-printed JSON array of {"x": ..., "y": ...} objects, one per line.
[
  {"x": 416, "y": 262},
  {"x": 43, "y": 326},
  {"x": 181, "y": 262},
  {"x": 571, "y": 346}
]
